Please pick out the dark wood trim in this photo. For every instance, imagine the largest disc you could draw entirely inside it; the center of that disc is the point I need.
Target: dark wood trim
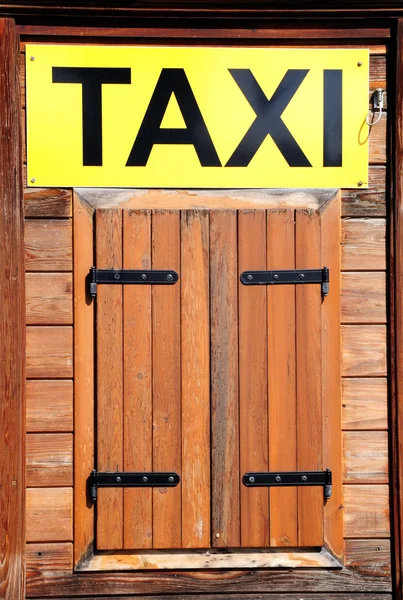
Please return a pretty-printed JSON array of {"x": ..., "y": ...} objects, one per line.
[{"x": 12, "y": 323}]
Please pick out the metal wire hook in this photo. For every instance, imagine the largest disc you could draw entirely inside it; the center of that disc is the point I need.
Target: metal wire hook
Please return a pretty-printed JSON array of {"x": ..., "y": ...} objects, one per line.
[{"x": 377, "y": 102}]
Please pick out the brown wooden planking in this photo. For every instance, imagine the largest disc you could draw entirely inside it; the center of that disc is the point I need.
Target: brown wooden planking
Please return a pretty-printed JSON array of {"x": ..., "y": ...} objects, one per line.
[
  {"x": 49, "y": 514},
  {"x": 331, "y": 375},
  {"x": 309, "y": 394},
  {"x": 363, "y": 244},
  {"x": 83, "y": 379},
  {"x": 56, "y": 556},
  {"x": 365, "y": 403},
  {"x": 363, "y": 297},
  {"x": 49, "y": 298},
  {"x": 224, "y": 379},
  {"x": 377, "y": 142},
  {"x": 367, "y": 202},
  {"x": 137, "y": 356},
  {"x": 253, "y": 412},
  {"x": 366, "y": 511},
  {"x": 282, "y": 377},
  {"x": 364, "y": 350},
  {"x": 109, "y": 336},
  {"x": 49, "y": 352},
  {"x": 378, "y": 75},
  {"x": 48, "y": 245},
  {"x": 195, "y": 373},
  {"x": 47, "y": 202},
  {"x": 166, "y": 379},
  {"x": 365, "y": 457},
  {"x": 249, "y": 597},
  {"x": 49, "y": 406},
  {"x": 369, "y": 557},
  {"x": 49, "y": 459}
]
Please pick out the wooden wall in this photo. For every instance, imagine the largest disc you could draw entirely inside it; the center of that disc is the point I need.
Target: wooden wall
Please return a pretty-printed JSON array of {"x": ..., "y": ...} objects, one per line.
[{"x": 50, "y": 374}]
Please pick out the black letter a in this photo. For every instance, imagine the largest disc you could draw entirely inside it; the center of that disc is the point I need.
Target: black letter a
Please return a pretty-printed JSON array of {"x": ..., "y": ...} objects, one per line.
[{"x": 173, "y": 81}]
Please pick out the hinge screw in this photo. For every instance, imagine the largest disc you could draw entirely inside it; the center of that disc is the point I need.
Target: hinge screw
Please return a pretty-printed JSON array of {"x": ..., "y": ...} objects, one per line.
[
  {"x": 169, "y": 277},
  {"x": 117, "y": 276},
  {"x": 170, "y": 479},
  {"x": 145, "y": 479},
  {"x": 143, "y": 276},
  {"x": 275, "y": 276},
  {"x": 301, "y": 276},
  {"x": 304, "y": 478},
  {"x": 278, "y": 478},
  {"x": 118, "y": 479},
  {"x": 250, "y": 277},
  {"x": 251, "y": 480}
]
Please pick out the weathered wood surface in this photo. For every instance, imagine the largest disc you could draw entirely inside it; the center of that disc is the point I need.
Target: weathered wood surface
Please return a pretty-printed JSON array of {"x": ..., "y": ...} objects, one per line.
[
  {"x": 49, "y": 514},
  {"x": 364, "y": 350},
  {"x": 12, "y": 324},
  {"x": 366, "y": 511},
  {"x": 365, "y": 403},
  {"x": 48, "y": 245},
  {"x": 49, "y": 352},
  {"x": 275, "y": 596},
  {"x": 363, "y": 297},
  {"x": 369, "y": 557},
  {"x": 47, "y": 202},
  {"x": 377, "y": 145},
  {"x": 57, "y": 556},
  {"x": 49, "y": 406},
  {"x": 49, "y": 459},
  {"x": 365, "y": 456},
  {"x": 363, "y": 244},
  {"x": 49, "y": 298},
  {"x": 368, "y": 202}
]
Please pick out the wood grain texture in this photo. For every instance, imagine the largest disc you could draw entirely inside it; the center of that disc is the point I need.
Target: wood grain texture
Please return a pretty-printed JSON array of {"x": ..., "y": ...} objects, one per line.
[
  {"x": 366, "y": 511},
  {"x": 49, "y": 459},
  {"x": 47, "y": 202},
  {"x": 253, "y": 401},
  {"x": 282, "y": 377},
  {"x": 363, "y": 350},
  {"x": 49, "y": 352},
  {"x": 368, "y": 202},
  {"x": 309, "y": 378},
  {"x": 225, "y": 493},
  {"x": 378, "y": 75},
  {"x": 49, "y": 406},
  {"x": 378, "y": 147},
  {"x": 49, "y": 298},
  {"x": 49, "y": 514},
  {"x": 280, "y": 596},
  {"x": 363, "y": 244},
  {"x": 56, "y": 556},
  {"x": 369, "y": 557},
  {"x": 195, "y": 372},
  {"x": 365, "y": 456},
  {"x": 365, "y": 403},
  {"x": 167, "y": 439},
  {"x": 109, "y": 336},
  {"x": 12, "y": 323},
  {"x": 363, "y": 297},
  {"x": 137, "y": 357},
  {"x": 83, "y": 379},
  {"x": 48, "y": 245}
]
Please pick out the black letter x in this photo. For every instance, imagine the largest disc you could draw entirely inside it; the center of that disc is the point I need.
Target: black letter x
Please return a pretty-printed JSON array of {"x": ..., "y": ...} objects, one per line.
[{"x": 268, "y": 118}]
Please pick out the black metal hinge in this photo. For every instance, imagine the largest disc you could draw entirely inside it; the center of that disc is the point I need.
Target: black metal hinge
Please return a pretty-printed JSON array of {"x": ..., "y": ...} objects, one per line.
[
  {"x": 288, "y": 277},
  {"x": 97, "y": 480},
  {"x": 320, "y": 478},
  {"x": 138, "y": 277}
]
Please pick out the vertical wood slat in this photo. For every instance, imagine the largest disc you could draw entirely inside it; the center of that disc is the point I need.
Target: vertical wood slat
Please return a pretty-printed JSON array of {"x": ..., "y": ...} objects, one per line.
[
  {"x": 224, "y": 379},
  {"x": 253, "y": 378},
  {"x": 309, "y": 405},
  {"x": 137, "y": 379},
  {"x": 166, "y": 379},
  {"x": 109, "y": 379},
  {"x": 281, "y": 374},
  {"x": 195, "y": 373}
]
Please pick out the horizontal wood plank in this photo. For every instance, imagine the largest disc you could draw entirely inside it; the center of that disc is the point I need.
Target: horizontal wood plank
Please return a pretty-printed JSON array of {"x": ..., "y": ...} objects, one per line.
[
  {"x": 378, "y": 75},
  {"x": 49, "y": 514},
  {"x": 49, "y": 557},
  {"x": 364, "y": 403},
  {"x": 47, "y": 202},
  {"x": 363, "y": 297},
  {"x": 363, "y": 350},
  {"x": 369, "y": 557},
  {"x": 49, "y": 405},
  {"x": 365, "y": 456},
  {"x": 363, "y": 244},
  {"x": 378, "y": 140},
  {"x": 48, "y": 244},
  {"x": 366, "y": 511},
  {"x": 49, "y": 459},
  {"x": 49, "y": 352},
  {"x": 49, "y": 298},
  {"x": 366, "y": 202}
]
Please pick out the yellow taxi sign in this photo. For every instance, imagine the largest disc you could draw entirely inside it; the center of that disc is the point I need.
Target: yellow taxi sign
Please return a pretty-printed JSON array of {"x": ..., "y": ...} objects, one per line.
[{"x": 171, "y": 117}]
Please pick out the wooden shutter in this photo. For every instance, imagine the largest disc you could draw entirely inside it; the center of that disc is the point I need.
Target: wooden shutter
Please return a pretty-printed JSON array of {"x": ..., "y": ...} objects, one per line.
[{"x": 210, "y": 378}]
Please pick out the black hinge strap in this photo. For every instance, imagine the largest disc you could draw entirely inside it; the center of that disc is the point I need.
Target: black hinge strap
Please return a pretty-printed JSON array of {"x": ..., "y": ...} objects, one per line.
[
  {"x": 124, "y": 276},
  {"x": 279, "y": 479},
  {"x": 97, "y": 480},
  {"x": 288, "y": 277}
]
